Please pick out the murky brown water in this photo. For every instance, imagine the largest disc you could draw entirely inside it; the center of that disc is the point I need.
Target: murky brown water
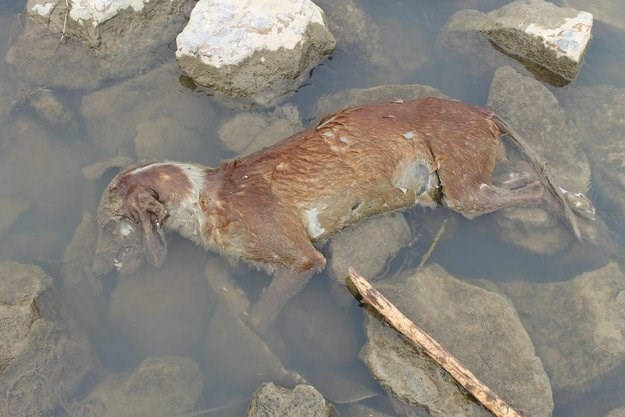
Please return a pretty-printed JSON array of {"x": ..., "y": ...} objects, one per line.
[{"x": 44, "y": 193}]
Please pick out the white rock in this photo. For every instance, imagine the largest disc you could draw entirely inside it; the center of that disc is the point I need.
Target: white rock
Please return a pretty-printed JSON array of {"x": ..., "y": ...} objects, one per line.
[
  {"x": 99, "y": 11},
  {"x": 551, "y": 36},
  {"x": 43, "y": 9},
  {"x": 569, "y": 39},
  {"x": 215, "y": 26},
  {"x": 225, "y": 38}
]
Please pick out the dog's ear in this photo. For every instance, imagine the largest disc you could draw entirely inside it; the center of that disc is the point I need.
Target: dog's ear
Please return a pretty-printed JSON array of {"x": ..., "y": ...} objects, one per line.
[{"x": 150, "y": 214}]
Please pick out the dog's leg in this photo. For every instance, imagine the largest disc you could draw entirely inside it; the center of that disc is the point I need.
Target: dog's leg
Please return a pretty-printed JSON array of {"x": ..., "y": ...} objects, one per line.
[{"x": 285, "y": 284}]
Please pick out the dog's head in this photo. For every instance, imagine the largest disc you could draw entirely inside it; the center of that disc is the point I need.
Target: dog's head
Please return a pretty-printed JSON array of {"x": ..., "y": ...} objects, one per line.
[{"x": 130, "y": 219}]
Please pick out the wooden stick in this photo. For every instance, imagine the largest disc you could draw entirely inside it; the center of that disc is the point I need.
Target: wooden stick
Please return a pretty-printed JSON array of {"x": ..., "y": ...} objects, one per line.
[
  {"x": 438, "y": 235},
  {"x": 483, "y": 394}
]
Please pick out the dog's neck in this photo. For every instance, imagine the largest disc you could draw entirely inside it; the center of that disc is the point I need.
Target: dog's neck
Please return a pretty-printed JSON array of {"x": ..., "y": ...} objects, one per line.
[{"x": 179, "y": 187}]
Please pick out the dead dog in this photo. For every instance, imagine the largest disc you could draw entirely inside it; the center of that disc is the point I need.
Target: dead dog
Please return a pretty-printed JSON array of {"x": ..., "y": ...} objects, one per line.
[{"x": 270, "y": 208}]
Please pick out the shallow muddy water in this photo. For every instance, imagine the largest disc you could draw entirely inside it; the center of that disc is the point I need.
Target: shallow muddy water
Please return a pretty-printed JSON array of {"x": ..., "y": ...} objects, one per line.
[{"x": 172, "y": 311}]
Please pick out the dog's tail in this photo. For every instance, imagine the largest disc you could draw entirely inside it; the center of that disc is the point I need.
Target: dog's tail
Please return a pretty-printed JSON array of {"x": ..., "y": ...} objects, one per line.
[{"x": 544, "y": 173}]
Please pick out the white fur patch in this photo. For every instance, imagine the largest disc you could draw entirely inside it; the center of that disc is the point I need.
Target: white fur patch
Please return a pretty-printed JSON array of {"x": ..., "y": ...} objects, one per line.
[
  {"x": 185, "y": 215},
  {"x": 312, "y": 222}
]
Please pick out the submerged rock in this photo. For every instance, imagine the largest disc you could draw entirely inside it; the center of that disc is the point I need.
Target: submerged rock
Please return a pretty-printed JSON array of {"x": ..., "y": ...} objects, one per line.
[
  {"x": 536, "y": 32},
  {"x": 44, "y": 356},
  {"x": 368, "y": 246},
  {"x": 140, "y": 106},
  {"x": 242, "y": 47},
  {"x": 249, "y": 132},
  {"x": 82, "y": 290},
  {"x": 536, "y": 115},
  {"x": 478, "y": 326},
  {"x": 381, "y": 49},
  {"x": 163, "y": 311},
  {"x": 301, "y": 401},
  {"x": 160, "y": 386},
  {"x": 357, "y": 96},
  {"x": 599, "y": 114},
  {"x": 578, "y": 326},
  {"x": 124, "y": 36}
]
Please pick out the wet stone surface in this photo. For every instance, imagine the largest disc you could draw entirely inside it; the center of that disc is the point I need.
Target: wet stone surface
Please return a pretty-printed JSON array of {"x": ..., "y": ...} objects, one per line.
[
  {"x": 541, "y": 35},
  {"x": 249, "y": 132},
  {"x": 579, "y": 351},
  {"x": 44, "y": 355},
  {"x": 478, "y": 326},
  {"x": 161, "y": 386},
  {"x": 599, "y": 114},
  {"x": 536, "y": 115},
  {"x": 301, "y": 401}
]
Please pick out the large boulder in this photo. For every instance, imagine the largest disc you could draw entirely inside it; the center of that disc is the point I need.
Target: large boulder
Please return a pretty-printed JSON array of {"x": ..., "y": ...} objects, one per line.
[
  {"x": 242, "y": 48},
  {"x": 479, "y": 327},
  {"x": 538, "y": 33},
  {"x": 122, "y": 37},
  {"x": 577, "y": 326},
  {"x": 44, "y": 356}
]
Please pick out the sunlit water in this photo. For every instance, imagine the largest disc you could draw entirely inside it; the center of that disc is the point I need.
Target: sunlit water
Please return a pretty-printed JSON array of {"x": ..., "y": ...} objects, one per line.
[{"x": 44, "y": 171}]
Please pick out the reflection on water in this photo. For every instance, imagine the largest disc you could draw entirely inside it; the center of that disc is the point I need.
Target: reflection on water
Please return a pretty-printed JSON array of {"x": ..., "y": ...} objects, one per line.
[{"x": 48, "y": 134}]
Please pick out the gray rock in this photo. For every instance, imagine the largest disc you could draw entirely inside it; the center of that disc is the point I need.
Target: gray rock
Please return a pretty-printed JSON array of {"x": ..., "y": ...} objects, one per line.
[
  {"x": 316, "y": 329},
  {"x": 244, "y": 359},
  {"x": 53, "y": 168},
  {"x": 51, "y": 109},
  {"x": 360, "y": 410},
  {"x": 163, "y": 311},
  {"x": 578, "y": 326},
  {"x": 44, "y": 356},
  {"x": 137, "y": 106},
  {"x": 41, "y": 60},
  {"x": 478, "y": 326},
  {"x": 82, "y": 290},
  {"x": 123, "y": 35},
  {"x": 367, "y": 246},
  {"x": 248, "y": 132},
  {"x": 599, "y": 113},
  {"x": 534, "y": 31},
  {"x": 165, "y": 138},
  {"x": 159, "y": 387},
  {"x": 302, "y": 401},
  {"x": 536, "y": 114},
  {"x": 357, "y": 96},
  {"x": 240, "y": 48}
]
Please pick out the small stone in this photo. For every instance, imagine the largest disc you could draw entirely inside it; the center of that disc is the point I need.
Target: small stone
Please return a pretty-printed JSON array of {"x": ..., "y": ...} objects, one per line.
[
  {"x": 301, "y": 401},
  {"x": 534, "y": 31}
]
